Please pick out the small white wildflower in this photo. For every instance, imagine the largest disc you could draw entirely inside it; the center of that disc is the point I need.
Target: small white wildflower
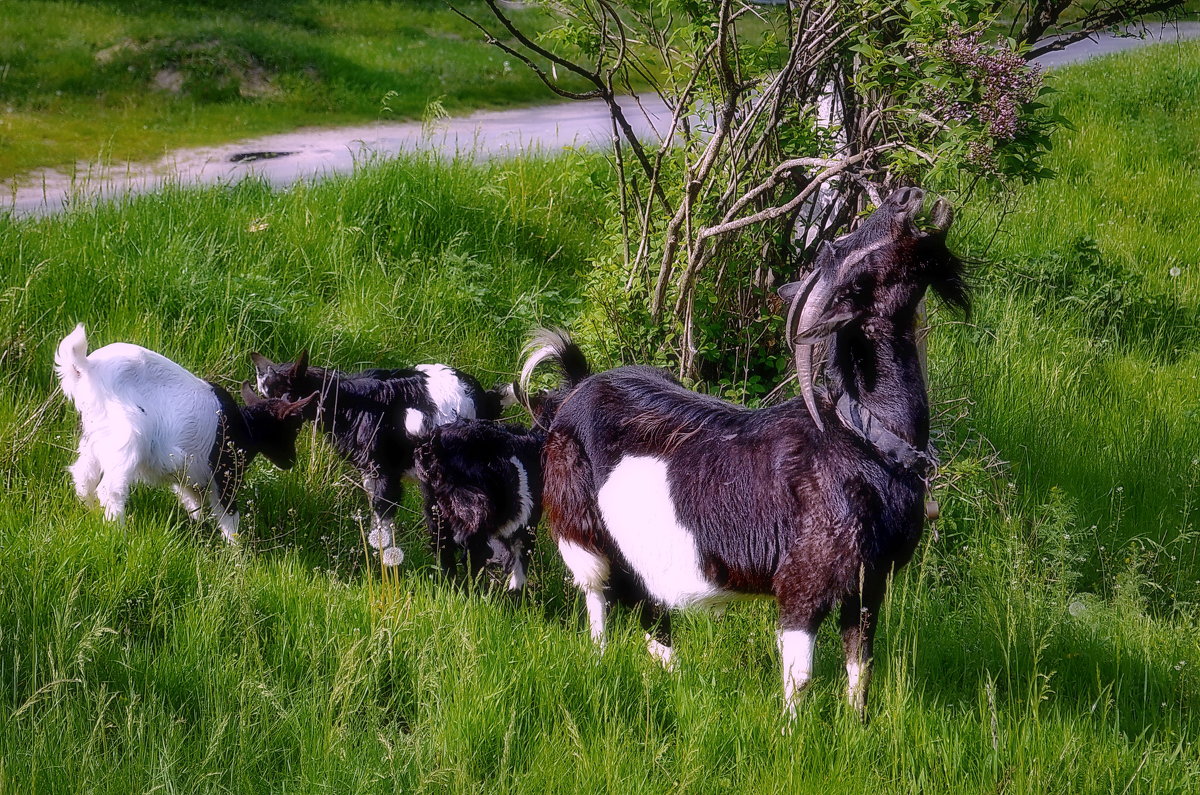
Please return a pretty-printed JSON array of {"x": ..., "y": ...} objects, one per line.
[
  {"x": 393, "y": 556},
  {"x": 1077, "y": 608},
  {"x": 1175, "y": 271},
  {"x": 379, "y": 538},
  {"x": 507, "y": 66},
  {"x": 257, "y": 226}
]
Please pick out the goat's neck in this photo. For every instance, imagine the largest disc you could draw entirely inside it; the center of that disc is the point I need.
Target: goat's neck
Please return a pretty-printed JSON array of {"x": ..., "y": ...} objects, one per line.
[
  {"x": 245, "y": 432},
  {"x": 877, "y": 364}
]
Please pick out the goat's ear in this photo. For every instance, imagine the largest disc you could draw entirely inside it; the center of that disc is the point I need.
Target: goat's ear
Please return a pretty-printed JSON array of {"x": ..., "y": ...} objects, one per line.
[
  {"x": 794, "y": 291},
  {"x": 942, "y": 215},
  {"x": 249, "y": 396},
  {"x": 261, "y": 363},
  {"x": 301, "y": 365},
  {"x": 788, "y": 291},
  {"x": 823, "y": 328}
]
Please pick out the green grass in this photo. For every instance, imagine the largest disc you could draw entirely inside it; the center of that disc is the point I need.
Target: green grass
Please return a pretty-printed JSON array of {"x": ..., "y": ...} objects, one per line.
[
  {"x": 127, "y": 80},
  {"x": 1092, "y": 318},
  {"x": 1043, "y": 640}
]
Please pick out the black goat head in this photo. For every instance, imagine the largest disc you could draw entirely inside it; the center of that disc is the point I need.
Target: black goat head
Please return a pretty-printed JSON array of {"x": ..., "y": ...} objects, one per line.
[
  {"x": 279, "y": 380},
  {"x": 274, "y": 423},
  {"x": 880, "y": 270}
]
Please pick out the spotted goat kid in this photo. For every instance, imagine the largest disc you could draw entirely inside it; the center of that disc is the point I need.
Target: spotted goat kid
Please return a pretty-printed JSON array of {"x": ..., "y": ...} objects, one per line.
[
  {"x": 482, "y": 480},
  {"x": 377, "y": 418},
  {"x": 662, "y": 498},
  {"x": 482, "y": 484},
  {"x": 147, "y": 420}
]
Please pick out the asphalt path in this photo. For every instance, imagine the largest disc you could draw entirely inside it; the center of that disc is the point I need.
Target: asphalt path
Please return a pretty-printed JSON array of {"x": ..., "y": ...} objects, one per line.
[{"x": 308, "y": 154}]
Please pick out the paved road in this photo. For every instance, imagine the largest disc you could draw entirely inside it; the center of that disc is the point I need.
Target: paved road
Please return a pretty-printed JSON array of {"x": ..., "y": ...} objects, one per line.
[{"x": 313, "y": 153}]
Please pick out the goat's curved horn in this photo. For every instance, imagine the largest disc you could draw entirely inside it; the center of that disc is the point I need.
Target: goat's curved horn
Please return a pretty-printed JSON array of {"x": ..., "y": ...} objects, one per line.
[
  {"x": 795, "y": 296},
  {"x": 249, "y": 396},
  {"x": 814, "y": 307}
]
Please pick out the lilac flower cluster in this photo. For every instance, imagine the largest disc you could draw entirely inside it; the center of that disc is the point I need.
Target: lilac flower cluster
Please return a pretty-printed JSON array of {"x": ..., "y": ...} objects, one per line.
[{"x": 1003, "y": 81}]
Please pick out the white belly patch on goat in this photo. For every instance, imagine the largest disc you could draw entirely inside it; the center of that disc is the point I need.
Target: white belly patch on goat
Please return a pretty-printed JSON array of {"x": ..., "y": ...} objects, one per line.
[
  {"x": 446, "y": 390},
  {"x": 636, "y": 504}
]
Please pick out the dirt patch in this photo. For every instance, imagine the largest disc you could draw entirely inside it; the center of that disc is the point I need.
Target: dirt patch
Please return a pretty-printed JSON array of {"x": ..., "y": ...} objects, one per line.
[
  {"x": 169, "y": 80},
  {"x": 120, "y": 50},
  {"x": 256, "y": 83},
  {"x": 209, "y": 70}
]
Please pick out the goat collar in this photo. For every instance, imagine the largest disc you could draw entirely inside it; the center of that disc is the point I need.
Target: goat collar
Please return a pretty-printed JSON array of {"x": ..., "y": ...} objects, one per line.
[{"x": 856, "y": 417}]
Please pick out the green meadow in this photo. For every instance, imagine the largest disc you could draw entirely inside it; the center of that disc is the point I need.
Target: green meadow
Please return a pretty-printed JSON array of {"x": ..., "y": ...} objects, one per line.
[
  {"x": 1044, "y": 639},
  {"x": 121, "y": 80}
]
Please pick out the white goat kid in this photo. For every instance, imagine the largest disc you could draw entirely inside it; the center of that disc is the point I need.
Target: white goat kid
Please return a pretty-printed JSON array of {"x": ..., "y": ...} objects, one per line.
[{"x": 148, "y": 420}]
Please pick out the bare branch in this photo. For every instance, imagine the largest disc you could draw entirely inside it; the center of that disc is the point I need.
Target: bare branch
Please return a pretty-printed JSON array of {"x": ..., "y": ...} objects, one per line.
[
  {"x": 537, "y": 70},
  {"x": 1098, "y": 19},
  {"x": 775, "y": 212}
]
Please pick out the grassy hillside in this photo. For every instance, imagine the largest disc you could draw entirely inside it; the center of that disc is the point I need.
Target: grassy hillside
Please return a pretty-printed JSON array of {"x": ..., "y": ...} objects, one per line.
[
  {"x": 131, "y": 79},
  {"x": 1043, "y": 640},
  {"x": 1082, "y": 365}
]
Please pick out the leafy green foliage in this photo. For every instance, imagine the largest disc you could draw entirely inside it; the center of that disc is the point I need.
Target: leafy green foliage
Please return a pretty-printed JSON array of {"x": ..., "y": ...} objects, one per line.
[{"x": 776, "y": 108}]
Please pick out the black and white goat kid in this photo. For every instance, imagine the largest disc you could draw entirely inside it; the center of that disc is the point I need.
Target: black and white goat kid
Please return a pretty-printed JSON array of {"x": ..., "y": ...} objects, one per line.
[
  {"x": 482, "y": 483},
  {"x": 663, "y": 498},
  {"x": 377, "y": 418},
  {"x": 147, "y": 420},
  {"x": 482, "y": 480}
]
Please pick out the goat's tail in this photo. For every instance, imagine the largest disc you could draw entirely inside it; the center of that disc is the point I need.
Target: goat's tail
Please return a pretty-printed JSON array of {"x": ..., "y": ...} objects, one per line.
[
  {"x": 550, "y": 345},
  {"x": 70, "y": 361}
]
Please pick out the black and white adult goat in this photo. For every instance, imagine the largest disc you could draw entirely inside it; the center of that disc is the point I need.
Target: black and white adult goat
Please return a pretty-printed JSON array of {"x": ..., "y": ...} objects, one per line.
[
  {"x": 377, "y": 418},
  {"x": 482, "y": 480},
  {"x": 663, "y": 498},
  {"x": 147, "y": 420}
]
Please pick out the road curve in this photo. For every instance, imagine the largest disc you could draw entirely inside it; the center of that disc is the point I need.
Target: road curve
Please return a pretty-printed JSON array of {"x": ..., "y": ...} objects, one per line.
[{"x": 313, "y": 153}]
